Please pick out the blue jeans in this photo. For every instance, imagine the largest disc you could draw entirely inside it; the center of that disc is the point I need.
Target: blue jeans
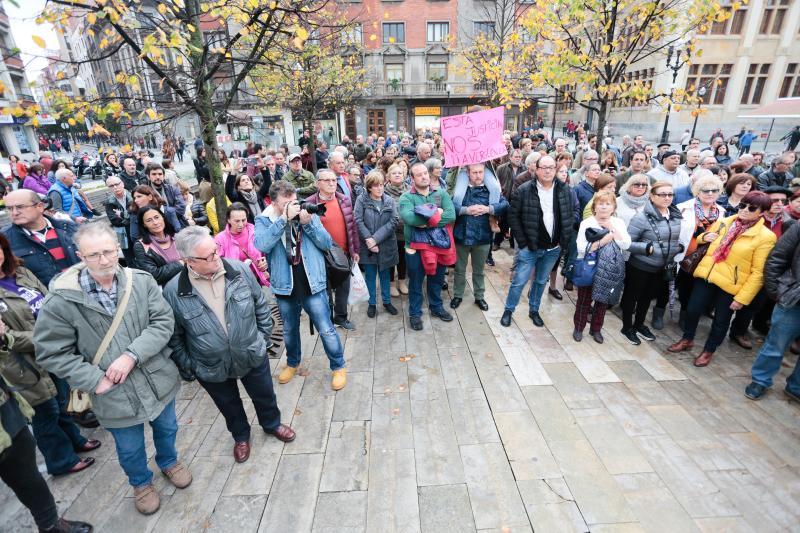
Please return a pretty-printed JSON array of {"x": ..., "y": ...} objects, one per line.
[
  {"x": 416, "y": 275},
  {"x": 316, "y": 305},
  {"x": 370, "y": 271},
  {"x": 131, "y": 451},
  {"x": 57, "y": 435},
  {"x": 526, "y": 260},
  {"x": 785, "y": 328}
]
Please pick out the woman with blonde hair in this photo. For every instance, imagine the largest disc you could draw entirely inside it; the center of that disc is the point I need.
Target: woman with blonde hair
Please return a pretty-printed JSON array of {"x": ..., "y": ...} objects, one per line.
[
  {"x": 633, "y": 197},
  {"x": 606, "y": 235}
]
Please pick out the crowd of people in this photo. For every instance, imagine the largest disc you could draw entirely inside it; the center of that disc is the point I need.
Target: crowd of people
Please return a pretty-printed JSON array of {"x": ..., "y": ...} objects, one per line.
[{"x": 122, "y": 307}]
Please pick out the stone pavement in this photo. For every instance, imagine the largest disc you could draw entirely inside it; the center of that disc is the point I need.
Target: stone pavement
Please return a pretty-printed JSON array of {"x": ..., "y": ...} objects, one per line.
[{"x": 470, "y": 426}]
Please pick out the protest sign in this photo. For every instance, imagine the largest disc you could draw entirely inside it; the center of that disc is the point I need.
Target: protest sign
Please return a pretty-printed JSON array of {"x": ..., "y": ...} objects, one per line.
[{"x": 473, "y": 137}]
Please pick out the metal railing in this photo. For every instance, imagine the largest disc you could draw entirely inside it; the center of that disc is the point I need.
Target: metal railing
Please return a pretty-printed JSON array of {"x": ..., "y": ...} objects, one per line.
[{"x": 427, "y": 89}]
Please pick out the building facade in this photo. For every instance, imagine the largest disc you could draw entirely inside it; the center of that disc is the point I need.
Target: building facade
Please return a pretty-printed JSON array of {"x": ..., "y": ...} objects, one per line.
[
  {"x": 749, "y": 60},
  {"x": 15, "y": 136}
]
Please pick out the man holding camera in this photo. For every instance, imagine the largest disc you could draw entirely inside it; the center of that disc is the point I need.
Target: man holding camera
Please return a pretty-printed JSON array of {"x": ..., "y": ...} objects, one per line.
[
  {"x": 340, "y": 223},
  {"x": 295, "y": 242}
]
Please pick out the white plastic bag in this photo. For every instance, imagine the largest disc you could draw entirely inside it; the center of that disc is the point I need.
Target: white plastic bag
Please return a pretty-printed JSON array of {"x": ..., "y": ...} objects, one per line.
[{"x": 358, "y": 287}]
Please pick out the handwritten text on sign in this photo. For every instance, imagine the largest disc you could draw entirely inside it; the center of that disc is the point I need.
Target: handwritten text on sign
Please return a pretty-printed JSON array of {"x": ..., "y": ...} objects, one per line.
[{"x": 473, "y": 137}]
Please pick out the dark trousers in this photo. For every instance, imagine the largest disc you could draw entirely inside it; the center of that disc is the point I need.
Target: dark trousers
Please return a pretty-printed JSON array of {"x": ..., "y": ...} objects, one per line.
[
  {"x": 338, "y": 296},
  {"x": 582, "y": 308},
  {"x": 640, "y": 288},
  {"x": 18, "y": 471},
  {"x": 741, "y": 322},
  {"x": 401, "y": 266},
  {"x": 57, "y": 435},
  {"x": 683, "y": 284},
  {"x": 258, "y": 384},
  {"x": 504, "y": 228},
  {"x": 662, "y": 294},
  {"x": 705, "y": 294}
]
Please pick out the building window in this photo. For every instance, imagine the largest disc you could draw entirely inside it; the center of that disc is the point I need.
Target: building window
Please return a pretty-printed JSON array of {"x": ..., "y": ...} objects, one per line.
[
  {"x": 791, "y": 81},
  {"x": 353, "y": 35},
  {"x": 732, "y": 25},
  {"x": 713, "y": 77},
  {"x": 438, "y": 32},
  {"x": 484, "y": 27},
  {"x": 394, "y": 32},
  {"x": 754, "y": 86},
  {"x": 437, "y": 72},
  {"x": 394, "y": 72},
  {"x": 774, "y": 13}
]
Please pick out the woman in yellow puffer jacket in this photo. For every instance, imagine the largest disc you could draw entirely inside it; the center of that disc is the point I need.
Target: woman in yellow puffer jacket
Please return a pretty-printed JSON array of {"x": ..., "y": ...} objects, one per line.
[{"x": 730, "y": 274}]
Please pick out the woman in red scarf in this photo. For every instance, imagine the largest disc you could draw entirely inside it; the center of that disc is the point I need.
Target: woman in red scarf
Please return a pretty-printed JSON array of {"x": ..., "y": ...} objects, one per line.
[{"x": 731, "y": 273}]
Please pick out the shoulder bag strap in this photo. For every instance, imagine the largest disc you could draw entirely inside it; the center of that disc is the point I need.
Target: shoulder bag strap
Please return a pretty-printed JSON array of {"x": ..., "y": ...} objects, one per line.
[{"x": 117, "y": 317}]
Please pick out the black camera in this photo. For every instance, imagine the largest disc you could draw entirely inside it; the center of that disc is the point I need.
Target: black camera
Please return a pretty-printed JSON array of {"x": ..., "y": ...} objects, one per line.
[{"x": 314, "y": 209}]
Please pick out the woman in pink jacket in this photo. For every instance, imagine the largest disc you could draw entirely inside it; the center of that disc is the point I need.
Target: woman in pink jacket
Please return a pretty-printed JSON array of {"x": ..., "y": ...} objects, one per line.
[{"x": 237, "y": 242}]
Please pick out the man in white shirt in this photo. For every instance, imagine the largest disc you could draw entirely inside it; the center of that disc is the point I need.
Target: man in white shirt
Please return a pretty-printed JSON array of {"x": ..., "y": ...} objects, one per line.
[{"x": 669, "y": 170}]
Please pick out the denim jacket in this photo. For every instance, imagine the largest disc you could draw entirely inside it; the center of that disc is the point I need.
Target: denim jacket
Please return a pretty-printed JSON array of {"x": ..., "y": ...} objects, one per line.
[{"x": 315, "y": 240}]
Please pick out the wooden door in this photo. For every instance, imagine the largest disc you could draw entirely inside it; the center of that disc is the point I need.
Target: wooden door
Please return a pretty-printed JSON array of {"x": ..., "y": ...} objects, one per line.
[{"x": 376, "y": 121}]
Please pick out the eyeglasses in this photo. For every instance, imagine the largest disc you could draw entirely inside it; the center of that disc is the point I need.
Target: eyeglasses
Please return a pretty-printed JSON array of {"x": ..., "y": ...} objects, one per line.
[
  {"x": 709, "y": 191},
  {"x": 211, "y": 258},
  {"x": 20, "y": 207},
  {"x": 548, "y": 168},
  {"x": 664, "y": 194},
  {"x": 749, "y": 207},
  {"x": 111, "y": 255},
  {"x": 782, "y": 201},
  {"x": 638, "y": 185}
]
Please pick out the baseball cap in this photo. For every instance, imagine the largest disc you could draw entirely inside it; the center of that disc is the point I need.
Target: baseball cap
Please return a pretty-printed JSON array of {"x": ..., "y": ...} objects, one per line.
[{"x": 293, "y": 157}]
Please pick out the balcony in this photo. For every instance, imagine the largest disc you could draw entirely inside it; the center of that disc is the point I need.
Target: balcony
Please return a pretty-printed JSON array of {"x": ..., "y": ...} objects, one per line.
[
  {"x": 427, "y": 89},
  {"x": 3, "y": 18},
  {"x": 12, "y": 58}
]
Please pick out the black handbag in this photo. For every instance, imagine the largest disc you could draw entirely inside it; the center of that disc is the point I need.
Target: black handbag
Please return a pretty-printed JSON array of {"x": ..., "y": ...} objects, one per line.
[{"x": 337, "y": 265}]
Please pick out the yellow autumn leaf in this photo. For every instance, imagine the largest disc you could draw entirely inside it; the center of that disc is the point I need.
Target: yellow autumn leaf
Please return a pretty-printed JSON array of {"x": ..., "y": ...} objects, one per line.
[
  {"x": 39, "y": 41},
  {"x": 391, "y": 40},
  {"x": 60, "y": 75},
  {"x": 92, "y": 18},
  {"x": 71, "y": 121},
  {"x": 162, "y": 8},
  {"x": 373, "y": 37},
  {"x": 151, "y": 113}
]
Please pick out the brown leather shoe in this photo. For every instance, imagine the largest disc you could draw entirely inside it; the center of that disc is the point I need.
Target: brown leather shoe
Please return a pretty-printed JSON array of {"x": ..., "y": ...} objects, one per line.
[
  {"x": 82, "y": 464},
  {"x": 283, "y": 433},
  {"x": 89, "y": 445},
  {"x": 742, "y": 341},
  {"x": 241, "y": 451},
  {"x": 681, "y": 346},
  {"x": 703, "y": 359}
]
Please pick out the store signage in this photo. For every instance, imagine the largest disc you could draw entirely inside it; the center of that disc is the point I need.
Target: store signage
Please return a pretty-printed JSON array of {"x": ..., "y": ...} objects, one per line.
[
  {"x": 473, "y": 137},
  {"x": 428, "y": 111}
]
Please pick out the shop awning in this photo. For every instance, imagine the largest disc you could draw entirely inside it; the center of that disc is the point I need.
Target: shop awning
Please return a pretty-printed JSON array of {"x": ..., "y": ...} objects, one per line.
[{"x": 780, "y": 108}]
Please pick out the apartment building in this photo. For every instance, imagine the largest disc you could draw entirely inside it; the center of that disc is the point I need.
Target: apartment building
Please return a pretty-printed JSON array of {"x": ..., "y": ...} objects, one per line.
[
  {"x": 15, "y": 137},
  {"x": 749, "y": 60}
]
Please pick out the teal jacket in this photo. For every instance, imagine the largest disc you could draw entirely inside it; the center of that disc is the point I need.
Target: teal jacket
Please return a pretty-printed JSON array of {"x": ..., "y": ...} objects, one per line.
[{"x": 411, "y": 199}]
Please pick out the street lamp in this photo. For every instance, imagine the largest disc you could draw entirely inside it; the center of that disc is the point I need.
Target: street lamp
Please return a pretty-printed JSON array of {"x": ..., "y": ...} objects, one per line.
[
  {"x": 675, "y": 66},
  {"x": 449, "y": 89},
  {"x": 701, "y": 92}
]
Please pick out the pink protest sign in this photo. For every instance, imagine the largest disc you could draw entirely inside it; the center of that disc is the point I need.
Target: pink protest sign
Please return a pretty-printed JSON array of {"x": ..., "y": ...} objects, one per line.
[{"x": 473, "y": 137}]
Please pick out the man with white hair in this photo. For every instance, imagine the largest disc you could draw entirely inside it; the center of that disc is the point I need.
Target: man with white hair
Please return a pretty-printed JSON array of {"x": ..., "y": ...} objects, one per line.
[
  {"x": 529, "y": 174},
  {"x": 692, "y": 161},
  {"x": 337, "y": 163},
  {"x": 105, "y": 329},
  {"x": 66, "y": 199},
  {"x": 227, "y": 341},
  {"x": 590, "y": 157},
  {"x": 707, "y": 161},
  {"x": 750, "y": 167}
]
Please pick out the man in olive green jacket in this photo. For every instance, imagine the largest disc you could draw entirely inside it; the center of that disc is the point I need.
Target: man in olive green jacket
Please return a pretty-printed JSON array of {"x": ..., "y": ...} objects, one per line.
[
  {"x": 302, "y": 179},
  {"x": 135, "y": 380}
]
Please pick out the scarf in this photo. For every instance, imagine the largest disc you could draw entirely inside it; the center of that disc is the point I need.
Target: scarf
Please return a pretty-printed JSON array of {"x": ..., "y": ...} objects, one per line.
[
  {"x": 396, "y": 191},
  {"x": 170, "y": 255},
  {"x": 636, "y": 203},
  {"x": 700, "y": 215},
  {"x": 737, "y": 228},
  {"x": 251, "y": 199},
  {"x": 795, "y": 215},
  {"x": 462, "y": 182}
]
